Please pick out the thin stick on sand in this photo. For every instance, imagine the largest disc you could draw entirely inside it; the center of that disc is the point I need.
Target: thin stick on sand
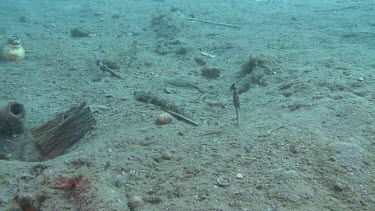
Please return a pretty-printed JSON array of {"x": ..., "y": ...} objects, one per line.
[
  {"x": 236, "y": 102},
  {"x": 105, "y": 68},
  {"x": 214, "y": 23},
  {"x": 165, "y": 104},
  {"x": 182, "y": 117}
]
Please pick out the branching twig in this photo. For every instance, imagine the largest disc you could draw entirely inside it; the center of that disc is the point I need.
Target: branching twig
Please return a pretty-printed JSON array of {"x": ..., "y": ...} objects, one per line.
[{"x": 103, "y": 67}]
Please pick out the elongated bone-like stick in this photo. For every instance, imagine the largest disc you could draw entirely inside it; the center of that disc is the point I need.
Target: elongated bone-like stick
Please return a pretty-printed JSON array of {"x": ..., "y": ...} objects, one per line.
[{"x": 214, "y": 23}]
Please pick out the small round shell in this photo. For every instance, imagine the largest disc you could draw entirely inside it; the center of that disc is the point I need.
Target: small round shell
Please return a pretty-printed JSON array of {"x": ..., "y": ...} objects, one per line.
[{"x": 164, "y": 118}]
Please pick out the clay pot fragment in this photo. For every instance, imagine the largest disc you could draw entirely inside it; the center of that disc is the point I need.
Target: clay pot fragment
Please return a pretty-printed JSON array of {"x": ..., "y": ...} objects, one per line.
[{"x": 12, "y": 118}]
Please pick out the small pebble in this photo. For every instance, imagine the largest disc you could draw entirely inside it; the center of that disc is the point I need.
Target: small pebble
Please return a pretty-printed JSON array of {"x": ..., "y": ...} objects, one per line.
[
  {"x": 239, "y": 176},
  {"x": 223, "y": 181},
  {"x": 135, "y": 202},
  {"x": 166, "y": 157}
]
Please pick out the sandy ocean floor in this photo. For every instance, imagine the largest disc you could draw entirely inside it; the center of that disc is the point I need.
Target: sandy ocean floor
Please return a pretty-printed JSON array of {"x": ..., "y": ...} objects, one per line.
[{"x": 306, "y": 74}]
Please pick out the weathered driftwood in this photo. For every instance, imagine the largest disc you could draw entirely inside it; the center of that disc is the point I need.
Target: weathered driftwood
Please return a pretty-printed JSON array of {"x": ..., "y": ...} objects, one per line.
[
  {"x": 61, "y": 132},
  {"x": 166, "y": 105}
]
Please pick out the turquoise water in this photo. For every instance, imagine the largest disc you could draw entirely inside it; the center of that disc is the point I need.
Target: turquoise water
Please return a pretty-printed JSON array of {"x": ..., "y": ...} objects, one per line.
[{"x": 129, "y": 105}]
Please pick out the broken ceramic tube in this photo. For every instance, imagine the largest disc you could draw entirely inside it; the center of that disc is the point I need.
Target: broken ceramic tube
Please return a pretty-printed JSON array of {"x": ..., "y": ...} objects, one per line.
[{"x": 12, "y": 118}]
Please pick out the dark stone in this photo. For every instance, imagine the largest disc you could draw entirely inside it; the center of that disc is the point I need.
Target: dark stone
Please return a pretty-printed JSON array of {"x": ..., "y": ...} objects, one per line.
[
  {"x": 338, "y": 187},
  {"x": 154, "y": 200},
  {"x": 23, "y": 19},
  {"x": 200, "y": 61},
  {"x": 211, "y": 72},
  {"x": 181, "y": 51},
  {"x": 4, "y": 156},
  {"x": 251, "y": 63},
  {"x": 76, "y": 32},
  {"x": 116, "y": 16}
]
